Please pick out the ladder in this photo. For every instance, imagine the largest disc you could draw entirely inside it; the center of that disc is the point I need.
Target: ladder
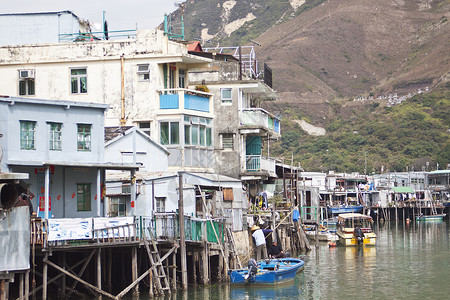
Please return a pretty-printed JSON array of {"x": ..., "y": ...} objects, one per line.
[{"x": 157, "y": 266}]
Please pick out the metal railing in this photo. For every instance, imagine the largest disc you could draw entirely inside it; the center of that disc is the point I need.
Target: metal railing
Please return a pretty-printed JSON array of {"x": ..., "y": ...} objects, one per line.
[
  {"x": 258, "y": 163},
  {"x": 259, "y": 117},
  {"x": 97, "y": 36},
  {"x": 184, "y": 98},
  {"x": 163, "y": 226}
]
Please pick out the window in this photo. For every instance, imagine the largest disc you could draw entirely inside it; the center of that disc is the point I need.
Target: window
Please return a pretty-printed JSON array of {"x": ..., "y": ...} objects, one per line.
[
  {"x": 225, "y": 95},
  {"x": 117, "y": 207},
  {"x": 197, "y": 131},
  {"x": 84, "y": 197},
  {"x": 26, "y": 82},
  {"x": 84, "y": 137},
  {"x": 27, "y": 135},
  {"x": 181, "y": 78},
  {"x": 55, "y": 136},
  {"x": 187, "y": 134},
  {"x": 145, "y": 127},
  {"x": 169, "y": 133},
  {"x": 160, "y": 204},
  {"x": 144, "y": 72},
  {"x": 227, "y": 141},
  {"x": 78, "y": 81},
  {"x": 126, "y": 188}
]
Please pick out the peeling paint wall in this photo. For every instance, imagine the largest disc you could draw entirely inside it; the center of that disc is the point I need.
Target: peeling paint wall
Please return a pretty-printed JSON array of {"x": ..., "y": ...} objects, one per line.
[{"x": 52, "y": 64}]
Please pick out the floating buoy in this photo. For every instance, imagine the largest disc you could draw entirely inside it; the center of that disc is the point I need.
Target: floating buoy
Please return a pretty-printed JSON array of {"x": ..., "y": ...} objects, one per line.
[{"x": 331, "y": 244}]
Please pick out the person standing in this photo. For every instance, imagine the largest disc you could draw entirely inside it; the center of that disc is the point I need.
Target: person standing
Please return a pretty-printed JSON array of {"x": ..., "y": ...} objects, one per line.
[{"x": 258, "y": 236}]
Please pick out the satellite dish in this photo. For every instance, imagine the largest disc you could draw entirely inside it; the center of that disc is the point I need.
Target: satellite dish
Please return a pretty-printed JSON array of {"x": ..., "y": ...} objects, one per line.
[{"x": 98, "y": 26}]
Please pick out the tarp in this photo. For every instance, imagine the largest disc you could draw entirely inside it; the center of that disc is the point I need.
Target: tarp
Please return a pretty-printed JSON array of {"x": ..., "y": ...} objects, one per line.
[{"x": 402, "y": 189}]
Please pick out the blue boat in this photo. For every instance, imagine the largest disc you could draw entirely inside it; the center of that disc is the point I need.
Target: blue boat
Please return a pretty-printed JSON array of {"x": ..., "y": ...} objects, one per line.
[
  {"x": 344, "y": 209},
  {"x": 270, "y": 271}
]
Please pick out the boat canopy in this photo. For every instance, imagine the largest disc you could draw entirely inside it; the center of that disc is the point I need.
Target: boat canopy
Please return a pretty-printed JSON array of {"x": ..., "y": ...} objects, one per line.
[{"x": 353, "y": 216}]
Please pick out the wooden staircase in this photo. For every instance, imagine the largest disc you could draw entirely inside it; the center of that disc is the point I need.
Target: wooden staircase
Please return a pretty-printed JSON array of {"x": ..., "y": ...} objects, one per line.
[{"x": 159, "y": 275}]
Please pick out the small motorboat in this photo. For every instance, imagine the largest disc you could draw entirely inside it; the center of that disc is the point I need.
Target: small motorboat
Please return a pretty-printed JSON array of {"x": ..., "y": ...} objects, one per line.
[
  {"x": 355, "y": 229},
  {"x": 433, "y": 217},
  {"x": 270, "y": 271}
]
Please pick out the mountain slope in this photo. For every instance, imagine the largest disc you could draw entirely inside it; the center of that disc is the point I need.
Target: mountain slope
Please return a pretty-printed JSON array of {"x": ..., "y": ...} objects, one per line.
[{"x": 325, "y": 53}]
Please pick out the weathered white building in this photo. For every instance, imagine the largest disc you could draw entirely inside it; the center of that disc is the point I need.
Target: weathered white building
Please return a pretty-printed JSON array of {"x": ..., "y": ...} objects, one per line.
[{"x": 143, "y": 80}]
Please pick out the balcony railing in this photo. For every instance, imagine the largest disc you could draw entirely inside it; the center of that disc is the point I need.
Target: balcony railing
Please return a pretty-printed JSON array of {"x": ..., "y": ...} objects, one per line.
[
  {"x": 260, "y": 118},
  {"x": 163, "y": 226},
  {"x": 258, "y": 163},
  {"x": 184, "y": 98}
]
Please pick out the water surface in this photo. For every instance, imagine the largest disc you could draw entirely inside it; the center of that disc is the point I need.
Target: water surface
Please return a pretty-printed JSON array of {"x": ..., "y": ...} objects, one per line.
[{"x": 408, "y": 262}]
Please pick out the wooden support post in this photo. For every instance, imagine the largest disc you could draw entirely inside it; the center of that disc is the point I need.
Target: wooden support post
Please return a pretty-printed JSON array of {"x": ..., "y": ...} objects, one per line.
[
  {"x": 109, "y": 270},
  {"x": 44, "y": 279},
  {"x": 205, "y": 264},
  {"x": 27, "y": 284},
  {"x": 134, "y": 270},
  {"x": 174, "y": 270},
  {"x": 99, "y": 269},
  {"x": 194, "y": 266},
  {"x": 21, "y": 286},
  {"x": 150, "y": 284},
  {"x": 2, "y": 290},
  {"x": 47, "y": 262},
  {"x": 182, "y": 233},
  {"x": 63, "y": 279}
]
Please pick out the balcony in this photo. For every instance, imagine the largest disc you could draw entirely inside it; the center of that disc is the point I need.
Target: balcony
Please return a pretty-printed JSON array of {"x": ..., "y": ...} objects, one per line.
[
  {"x": 257, "y": 120},
  {"x": 259, "y": 165},
  {"x": 171, "y": 99}
]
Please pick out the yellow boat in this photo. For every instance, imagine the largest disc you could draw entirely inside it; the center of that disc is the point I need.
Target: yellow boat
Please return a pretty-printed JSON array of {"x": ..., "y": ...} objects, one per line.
[{"x": 355, "y": 229}]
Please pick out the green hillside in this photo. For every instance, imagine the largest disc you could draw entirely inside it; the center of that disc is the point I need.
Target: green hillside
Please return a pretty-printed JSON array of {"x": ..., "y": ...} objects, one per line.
[{"x": 406, "y": 135}]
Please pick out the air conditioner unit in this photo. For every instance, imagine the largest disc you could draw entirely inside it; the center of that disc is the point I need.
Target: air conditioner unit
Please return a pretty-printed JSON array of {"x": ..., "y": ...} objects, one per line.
[{"x": 26, "y": 74}]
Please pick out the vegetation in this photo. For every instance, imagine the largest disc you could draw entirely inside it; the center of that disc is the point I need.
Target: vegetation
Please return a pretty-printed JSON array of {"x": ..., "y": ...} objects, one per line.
[{"x": 394, "y": 138}]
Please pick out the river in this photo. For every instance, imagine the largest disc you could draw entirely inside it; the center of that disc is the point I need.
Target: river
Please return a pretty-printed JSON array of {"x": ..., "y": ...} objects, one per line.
[{"x": 408, "y": 262}]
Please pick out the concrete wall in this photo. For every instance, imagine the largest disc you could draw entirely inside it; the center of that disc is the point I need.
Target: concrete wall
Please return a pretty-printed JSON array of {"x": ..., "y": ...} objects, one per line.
[
  {"x": 63, "y": 190},
  {"x": 35, "y": 28}
]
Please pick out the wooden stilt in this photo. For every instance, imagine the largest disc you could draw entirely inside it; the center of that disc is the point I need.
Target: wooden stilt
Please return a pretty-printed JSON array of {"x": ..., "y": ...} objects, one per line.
[
  {"x": 134, "y": 270},
  {"x": 21, "y": 286},
  {"x": 2, "y": 290},
  {"x": 44, "y": 279},
  {"x": 27, "y": 284},
  {"x": 205, "y": 264},
  {"x": 79, "y": 279},
  {"x": 174, "y": 270},
  {"x": 99, "y": 269},
  {"x": 194, "y": 265},
  {"x": 150, "y": 283},
  {"x": 109, "y": 270},
  {"x": 63, "y": 279},
  {"x": 182, "y": 232}
]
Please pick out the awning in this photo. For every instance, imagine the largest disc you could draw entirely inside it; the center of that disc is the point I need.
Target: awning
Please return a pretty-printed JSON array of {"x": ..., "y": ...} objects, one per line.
[{"x": 402, "y": 189}]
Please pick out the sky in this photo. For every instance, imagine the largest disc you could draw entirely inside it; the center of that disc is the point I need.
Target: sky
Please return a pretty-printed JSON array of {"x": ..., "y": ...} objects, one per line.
[{"x": 120, "y": 14}]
